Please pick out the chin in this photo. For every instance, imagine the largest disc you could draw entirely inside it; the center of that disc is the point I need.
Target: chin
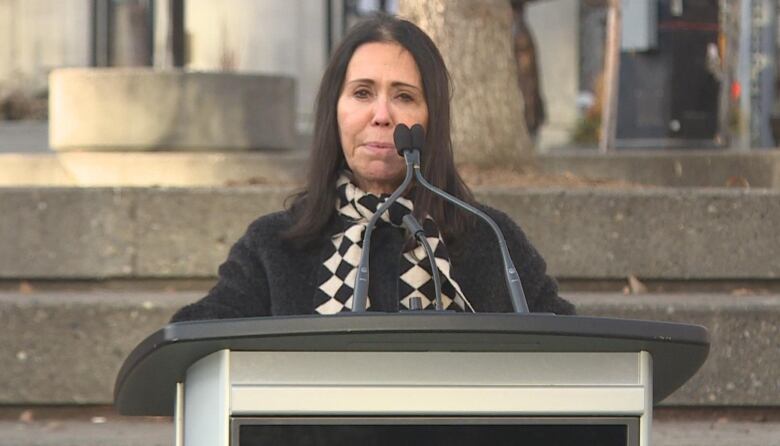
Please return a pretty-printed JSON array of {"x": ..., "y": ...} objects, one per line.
[
  {"x": 386, "y": 173},
  {"x": 389, "y": 181}
]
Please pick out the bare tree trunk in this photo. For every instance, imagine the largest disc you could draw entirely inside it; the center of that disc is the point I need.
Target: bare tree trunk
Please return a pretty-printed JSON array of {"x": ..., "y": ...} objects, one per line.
[{"x": 475, "y": 38}]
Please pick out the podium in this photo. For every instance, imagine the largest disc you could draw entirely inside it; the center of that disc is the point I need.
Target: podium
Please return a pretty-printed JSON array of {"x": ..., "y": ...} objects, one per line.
[{"x": 410, "y": 378}]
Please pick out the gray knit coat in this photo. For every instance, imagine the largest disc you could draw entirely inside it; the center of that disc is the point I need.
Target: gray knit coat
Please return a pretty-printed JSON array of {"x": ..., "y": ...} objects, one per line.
[{"x": 265, "y": 275}]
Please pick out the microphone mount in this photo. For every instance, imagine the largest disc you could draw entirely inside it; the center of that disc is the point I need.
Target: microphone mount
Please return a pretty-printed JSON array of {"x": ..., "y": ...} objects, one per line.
[{"x": 414, "y": 227}]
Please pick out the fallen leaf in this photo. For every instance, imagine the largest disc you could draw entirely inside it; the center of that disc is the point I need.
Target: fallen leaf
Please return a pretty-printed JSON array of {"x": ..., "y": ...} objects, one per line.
[
  {"x": 635, "y": 285},
  {"x": 25, "y": 287},
  {"x": 737, "y": 181},
  {"x": 26, "y": 416}
]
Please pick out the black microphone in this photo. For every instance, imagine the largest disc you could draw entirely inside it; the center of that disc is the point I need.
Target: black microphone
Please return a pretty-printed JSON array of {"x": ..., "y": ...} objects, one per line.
[
  {"x": 417, "y": 136},
  {"x": 400, "y": 138},
  {"x": 414, "y": 227},
  {"x": 412, "y": 156}
]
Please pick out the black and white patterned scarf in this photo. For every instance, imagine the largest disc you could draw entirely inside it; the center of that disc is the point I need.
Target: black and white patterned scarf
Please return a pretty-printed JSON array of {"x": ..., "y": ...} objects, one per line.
[{"x": 336, "y": 277}]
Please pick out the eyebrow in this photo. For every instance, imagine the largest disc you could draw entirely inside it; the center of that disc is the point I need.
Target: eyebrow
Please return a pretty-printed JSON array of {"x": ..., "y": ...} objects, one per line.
[{"x": 393, "y": 84}]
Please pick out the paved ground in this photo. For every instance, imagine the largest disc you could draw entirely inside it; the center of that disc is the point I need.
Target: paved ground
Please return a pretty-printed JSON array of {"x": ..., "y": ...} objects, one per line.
[
  {"x": 99, "y": 426},
  {"x": 24, "y": 137},
  {"x": 702, "y": 427}
]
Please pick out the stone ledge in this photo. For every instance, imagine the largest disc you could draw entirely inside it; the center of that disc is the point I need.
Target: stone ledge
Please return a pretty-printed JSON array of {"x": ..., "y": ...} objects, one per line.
[
  {"x": 671, "y": 168},
  {"x": 688, "y": 169},
  {"x": 143, "y": 169},
  {"x": 66, "y": 348},
  {"x": 72, "y": 233}
]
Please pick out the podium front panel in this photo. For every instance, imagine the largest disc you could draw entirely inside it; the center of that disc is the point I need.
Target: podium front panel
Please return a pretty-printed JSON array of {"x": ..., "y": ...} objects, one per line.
[
  {"x": 418, "y": 394},
  {"x": 436, "y": 383}
]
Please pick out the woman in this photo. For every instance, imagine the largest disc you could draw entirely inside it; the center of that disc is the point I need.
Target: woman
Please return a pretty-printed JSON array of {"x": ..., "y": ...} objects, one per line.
[{"x": 302, "y": 261}]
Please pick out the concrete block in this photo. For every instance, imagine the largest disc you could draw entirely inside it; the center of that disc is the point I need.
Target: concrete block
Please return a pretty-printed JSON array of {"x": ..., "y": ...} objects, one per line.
[
  {"x": 144, "y": 109},
  {"x": 188, "y": 232},
  {"x": 66, "y": 348},
  {"x": 742, "y": 368},
  {"x": 63, "y": 233},
  {"x": 655, "y": 233}
]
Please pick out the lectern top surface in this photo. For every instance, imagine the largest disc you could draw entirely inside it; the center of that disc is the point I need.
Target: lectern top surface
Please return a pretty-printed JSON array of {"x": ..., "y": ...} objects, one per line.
[{"x": 146, "y": 383}]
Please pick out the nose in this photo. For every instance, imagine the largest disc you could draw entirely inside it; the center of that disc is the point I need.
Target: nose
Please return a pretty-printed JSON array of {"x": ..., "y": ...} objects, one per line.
[{"x": 382, "y": 116}]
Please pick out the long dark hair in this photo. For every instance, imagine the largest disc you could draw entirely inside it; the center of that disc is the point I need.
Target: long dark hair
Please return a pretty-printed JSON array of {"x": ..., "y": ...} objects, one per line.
[{"x": 314, "y": 208}]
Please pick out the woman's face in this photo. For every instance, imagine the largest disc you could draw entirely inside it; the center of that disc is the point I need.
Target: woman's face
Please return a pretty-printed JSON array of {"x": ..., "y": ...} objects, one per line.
[{"x": 382, "y": 88}]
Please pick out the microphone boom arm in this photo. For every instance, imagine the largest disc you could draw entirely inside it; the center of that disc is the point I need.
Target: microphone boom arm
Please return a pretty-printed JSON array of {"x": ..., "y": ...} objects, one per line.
[{"x": 519, "y": 302}]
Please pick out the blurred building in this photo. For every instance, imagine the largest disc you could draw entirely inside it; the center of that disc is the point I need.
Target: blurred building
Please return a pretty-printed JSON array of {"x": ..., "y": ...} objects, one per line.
[
  {"x": 688, "y": 68},
  {"x": 668, "y": 93}
]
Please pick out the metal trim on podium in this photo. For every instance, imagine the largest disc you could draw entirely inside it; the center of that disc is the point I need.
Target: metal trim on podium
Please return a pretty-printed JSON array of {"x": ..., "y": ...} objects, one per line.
[{"x": 408, "y": 368}]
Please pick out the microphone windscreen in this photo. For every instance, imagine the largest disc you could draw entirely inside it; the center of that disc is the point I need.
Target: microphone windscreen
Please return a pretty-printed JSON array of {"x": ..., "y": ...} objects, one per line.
[
  {"x": 418, "y": 136},
  {"x": 402, "y": 138}
]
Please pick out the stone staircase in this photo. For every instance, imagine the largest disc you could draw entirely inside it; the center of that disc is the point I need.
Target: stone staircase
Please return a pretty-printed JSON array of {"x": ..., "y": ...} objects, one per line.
[{"x": 87, "y": 272}]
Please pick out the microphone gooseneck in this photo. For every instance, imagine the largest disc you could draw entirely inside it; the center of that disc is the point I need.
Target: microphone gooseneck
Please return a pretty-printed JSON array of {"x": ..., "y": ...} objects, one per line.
[
  {"x": 413, "y": 226},
  {"x": 515, "y": 287}
]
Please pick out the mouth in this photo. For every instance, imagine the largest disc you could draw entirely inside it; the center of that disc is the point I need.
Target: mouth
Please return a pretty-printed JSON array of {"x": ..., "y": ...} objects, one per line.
[{"x": 379, "y": 145}]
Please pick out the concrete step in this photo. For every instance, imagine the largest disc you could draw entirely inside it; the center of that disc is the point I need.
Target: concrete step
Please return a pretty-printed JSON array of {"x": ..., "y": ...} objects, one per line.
[
  {"x": 66, "y": 347},
  {"x": 167, "y": 233},
  {"x": 99, "y": 426}
]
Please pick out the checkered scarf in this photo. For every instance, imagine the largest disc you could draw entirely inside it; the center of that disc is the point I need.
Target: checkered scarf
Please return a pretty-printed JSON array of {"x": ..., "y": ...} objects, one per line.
[{"x": 337, "y": 273}]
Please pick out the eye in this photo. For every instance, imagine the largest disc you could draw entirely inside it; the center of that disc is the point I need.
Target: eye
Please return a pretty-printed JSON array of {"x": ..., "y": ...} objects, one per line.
[
  {"x": 362, "y": 93},
  {"x": 406, "y": 97}
]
